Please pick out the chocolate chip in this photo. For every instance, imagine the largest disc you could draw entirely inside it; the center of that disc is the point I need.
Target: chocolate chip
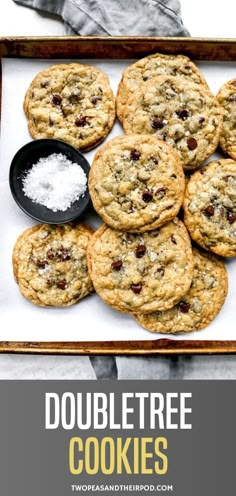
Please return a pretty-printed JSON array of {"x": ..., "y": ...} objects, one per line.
[
  {"x": 201, "y": 119},
  {"x": 95, "y": 99},
  {"x": 157, "y": 123},
  {"x": 64, "y": 256},
  {"x": 50, "y": 254},
  {"x": 50, "y": 121},
  {"x": 140, "y": 251},
  {"x": 154, "y": 160},
  {"x": 147, "y": 196},
  {"x": 173, "y": 176},
  {"x": 62, "y": 284},
  {"x": 184, "y": 306},
  {"x": 145, "y": 78},
  {"x": 56, "y": 99},
  {"x": 136, "y": 288},
  {"x": 42, "y": 263},
  {"x": 135, "y": 155},
  {"x": 173, "y": 239},
  {"x": 231, "y": 217},
  {"x": 192, "y": 143},
  {"x": 161, "y": 271},
  {"x": 81, "y": 121},
  {"x": 117, "y": 265},
  {"x": 209, "y": 211},
  {"x": 183, "y": 114}
]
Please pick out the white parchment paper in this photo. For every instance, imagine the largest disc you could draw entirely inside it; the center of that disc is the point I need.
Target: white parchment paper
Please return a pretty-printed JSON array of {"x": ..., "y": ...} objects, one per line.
[{"x": 91, "y": 319}]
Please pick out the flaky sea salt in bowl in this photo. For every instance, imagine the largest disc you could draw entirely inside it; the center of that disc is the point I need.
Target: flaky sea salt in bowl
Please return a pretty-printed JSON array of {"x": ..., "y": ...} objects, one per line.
[{"x": 49, "y": 181}]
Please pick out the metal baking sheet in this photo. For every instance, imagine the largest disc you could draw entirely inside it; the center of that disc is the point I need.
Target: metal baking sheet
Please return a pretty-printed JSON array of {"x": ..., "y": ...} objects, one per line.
[{"x": 90, "y": 326}]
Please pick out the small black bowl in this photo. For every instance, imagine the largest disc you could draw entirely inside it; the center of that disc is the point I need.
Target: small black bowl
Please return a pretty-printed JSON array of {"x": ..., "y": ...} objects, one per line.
[{"x": 24, "y": 159}]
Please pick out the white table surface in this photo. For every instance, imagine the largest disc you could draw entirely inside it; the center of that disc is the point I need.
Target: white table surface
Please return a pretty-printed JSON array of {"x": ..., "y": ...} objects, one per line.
[{"x": 202, "y": 18}]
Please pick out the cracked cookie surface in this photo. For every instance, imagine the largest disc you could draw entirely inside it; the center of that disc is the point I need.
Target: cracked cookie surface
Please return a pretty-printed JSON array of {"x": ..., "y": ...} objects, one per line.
[
  {"x": 136, "y": 183},
  {"x": 193, "y": 312},
  {"x": 150, "y": 67},
  {"x": 70, "y": 102},
  {"x": 184, "y": 114},
  {"x": 227, "y": 100},
  {"x": 210, "y": 207},
  {"x": 141, "y": 272},
  {"x": 50, "y": 265}
]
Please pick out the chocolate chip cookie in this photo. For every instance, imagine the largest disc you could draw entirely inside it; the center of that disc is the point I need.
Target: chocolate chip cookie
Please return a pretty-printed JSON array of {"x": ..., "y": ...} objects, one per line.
[
  {"x": 141, "y": 273},
  {"x": 184, "y": 114},
  {"x": 193, "y": 312},
  {"x": 150, "y": 67},
  {"x": 210, "y": 207},
  {"x": 70, "y": 102},
  {"x": 136, "y": 183},
  {"x": 50, "y": 265},
  {"x": 227, "y": 100}
]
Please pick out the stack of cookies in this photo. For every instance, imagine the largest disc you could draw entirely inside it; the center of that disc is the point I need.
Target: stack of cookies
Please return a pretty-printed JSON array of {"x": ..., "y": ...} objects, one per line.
[{"x": 141, "y": 260}]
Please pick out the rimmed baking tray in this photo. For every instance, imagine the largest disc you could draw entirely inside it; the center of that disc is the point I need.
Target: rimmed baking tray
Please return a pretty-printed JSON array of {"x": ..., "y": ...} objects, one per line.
[{"x": 201, "y": 49}]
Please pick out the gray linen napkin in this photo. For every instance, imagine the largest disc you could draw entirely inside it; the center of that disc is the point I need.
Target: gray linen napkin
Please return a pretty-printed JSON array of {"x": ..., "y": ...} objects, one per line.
[{"x": 117, "y": 17}]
